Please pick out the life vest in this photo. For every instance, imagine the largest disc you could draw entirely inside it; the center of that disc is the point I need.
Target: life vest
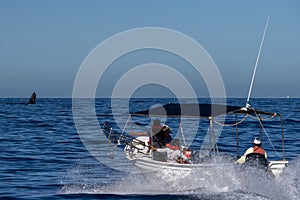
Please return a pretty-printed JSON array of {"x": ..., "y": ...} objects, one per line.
[
  {"x": 259, "y": 150},
  {"x": 182, "y": 161},
  {"x": 188, "y": 154}
]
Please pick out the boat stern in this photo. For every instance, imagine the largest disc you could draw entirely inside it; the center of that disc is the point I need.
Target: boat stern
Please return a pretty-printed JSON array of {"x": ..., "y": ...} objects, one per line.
[{"x": 277, "y": 166}]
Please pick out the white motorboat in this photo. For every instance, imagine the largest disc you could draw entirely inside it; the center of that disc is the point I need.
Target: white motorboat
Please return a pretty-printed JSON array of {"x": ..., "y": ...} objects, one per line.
[{"x": 137, "y": 149}]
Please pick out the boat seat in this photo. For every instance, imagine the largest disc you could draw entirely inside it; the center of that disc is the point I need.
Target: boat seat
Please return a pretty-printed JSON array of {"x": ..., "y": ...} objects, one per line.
[{"x": 257, "y": 160}]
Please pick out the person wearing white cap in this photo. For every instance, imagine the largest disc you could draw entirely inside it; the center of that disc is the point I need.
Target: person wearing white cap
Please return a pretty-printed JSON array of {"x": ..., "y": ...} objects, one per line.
[{"x": 255, "y": 149}]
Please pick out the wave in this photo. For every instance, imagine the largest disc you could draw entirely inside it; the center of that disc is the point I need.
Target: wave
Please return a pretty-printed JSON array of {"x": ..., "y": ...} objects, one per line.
[{"x": 228, "y": 182}]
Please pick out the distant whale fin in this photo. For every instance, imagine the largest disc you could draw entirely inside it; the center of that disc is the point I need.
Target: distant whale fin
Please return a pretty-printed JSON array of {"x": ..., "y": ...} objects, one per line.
[{"x": 32, "y": 98}]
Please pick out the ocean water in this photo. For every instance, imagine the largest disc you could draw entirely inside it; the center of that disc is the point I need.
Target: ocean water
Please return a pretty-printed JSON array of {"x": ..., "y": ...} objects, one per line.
[{"x": 48, "y": 153}]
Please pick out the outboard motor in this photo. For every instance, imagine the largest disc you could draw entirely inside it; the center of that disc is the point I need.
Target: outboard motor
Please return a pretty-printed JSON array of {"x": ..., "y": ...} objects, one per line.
[{"x": 257, "y": 160}]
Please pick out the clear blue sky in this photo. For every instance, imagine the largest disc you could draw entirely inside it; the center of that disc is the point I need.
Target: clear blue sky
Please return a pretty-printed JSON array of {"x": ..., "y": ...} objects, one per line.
[{"x": 43, "y": 43}]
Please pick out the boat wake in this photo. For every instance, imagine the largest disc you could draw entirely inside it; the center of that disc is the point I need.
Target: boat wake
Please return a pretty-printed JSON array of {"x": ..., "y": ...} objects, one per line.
[{"x": 222, "y": 182}]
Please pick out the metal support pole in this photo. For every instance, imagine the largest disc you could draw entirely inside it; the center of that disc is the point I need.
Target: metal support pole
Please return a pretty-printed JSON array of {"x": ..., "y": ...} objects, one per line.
[
  {"x": 282, "y": 136},
  {"x": 260, "y": 128},
  {"x": 237, "y": 137}
]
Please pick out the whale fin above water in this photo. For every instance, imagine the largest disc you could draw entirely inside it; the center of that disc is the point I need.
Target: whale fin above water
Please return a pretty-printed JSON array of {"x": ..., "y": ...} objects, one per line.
[{"x": 32, "y": 98}]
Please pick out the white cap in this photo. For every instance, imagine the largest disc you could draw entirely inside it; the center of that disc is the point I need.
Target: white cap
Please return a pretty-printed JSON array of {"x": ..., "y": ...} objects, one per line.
[{"x": 256, "y": 141}]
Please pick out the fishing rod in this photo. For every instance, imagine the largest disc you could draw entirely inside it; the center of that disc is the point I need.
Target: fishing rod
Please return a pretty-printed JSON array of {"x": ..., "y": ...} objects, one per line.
[{"x": 256, "y": 63}]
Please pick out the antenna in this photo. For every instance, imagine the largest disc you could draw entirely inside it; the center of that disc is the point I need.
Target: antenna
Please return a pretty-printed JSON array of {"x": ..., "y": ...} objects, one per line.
[{"x": 253, "y": 75}]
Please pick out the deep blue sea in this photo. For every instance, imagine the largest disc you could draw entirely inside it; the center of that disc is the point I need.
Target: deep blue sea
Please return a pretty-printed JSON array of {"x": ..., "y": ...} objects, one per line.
[{"x": 44, "y": 156}]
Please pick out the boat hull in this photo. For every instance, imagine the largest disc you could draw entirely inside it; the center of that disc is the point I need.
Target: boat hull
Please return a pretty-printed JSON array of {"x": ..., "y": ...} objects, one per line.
[{"x": 142, "y": 158}]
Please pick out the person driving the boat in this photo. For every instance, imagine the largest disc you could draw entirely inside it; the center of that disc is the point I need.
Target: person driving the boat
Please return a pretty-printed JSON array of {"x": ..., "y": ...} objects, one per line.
[
  {"x": 255, "y": 149},
  {"x": 159, "y": 135},
  {"x": 173, "y": 151}
]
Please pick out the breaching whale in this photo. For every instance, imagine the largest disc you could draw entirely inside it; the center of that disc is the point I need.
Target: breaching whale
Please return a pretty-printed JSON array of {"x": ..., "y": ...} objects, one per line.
[{"x": 32, "y": 98}]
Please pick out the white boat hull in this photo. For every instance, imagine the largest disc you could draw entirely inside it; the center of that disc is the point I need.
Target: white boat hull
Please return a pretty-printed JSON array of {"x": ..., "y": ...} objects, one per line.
[
  {"x": 142, "y": 158},
  {"x": 277, "y": 166}
]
